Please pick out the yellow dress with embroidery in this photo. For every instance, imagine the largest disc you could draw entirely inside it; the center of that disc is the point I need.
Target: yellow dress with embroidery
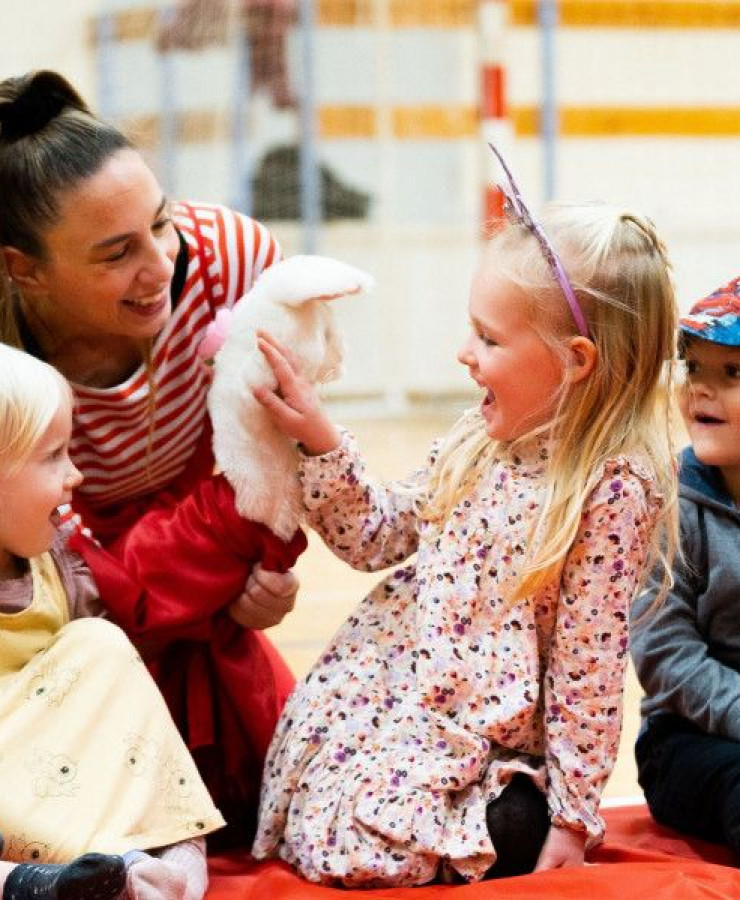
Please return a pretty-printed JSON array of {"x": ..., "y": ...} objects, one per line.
[{"x": 90, "y": 759}]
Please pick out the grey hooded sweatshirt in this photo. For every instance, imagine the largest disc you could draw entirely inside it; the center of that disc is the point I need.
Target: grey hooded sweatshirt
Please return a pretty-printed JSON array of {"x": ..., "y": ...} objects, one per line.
[{"x": 687, "y": 650}]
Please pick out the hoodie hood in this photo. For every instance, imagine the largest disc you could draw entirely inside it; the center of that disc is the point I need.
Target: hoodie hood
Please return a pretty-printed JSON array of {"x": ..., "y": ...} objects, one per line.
[{"x": 703, "y": 484}]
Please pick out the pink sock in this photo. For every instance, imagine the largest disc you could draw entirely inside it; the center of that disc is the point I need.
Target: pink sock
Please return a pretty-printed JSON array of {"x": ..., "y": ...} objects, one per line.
[
  {"x": 189, "y": 857},
  {"x": 149, "y": 878},
  {"x": 177, "y": 872}
]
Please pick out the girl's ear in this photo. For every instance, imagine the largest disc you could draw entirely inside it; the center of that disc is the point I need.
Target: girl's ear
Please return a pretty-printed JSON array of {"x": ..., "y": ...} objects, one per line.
[
  {"x": 22, "y": 269},
  {"x": 581, "y": 357}
]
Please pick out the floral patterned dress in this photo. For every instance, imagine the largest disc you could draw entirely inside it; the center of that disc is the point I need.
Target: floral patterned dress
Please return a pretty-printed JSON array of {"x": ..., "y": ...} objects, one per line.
[{"x": 437, "y": 689}]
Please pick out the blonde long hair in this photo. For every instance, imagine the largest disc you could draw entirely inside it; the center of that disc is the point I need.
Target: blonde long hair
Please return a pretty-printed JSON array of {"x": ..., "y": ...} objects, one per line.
[
  {"x": 619, "y": 270},
  {"x": 31, "y": 392}
]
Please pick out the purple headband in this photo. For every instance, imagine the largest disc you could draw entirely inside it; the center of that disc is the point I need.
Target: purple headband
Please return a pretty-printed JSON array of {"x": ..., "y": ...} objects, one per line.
[{"x": 516, "y": 207}]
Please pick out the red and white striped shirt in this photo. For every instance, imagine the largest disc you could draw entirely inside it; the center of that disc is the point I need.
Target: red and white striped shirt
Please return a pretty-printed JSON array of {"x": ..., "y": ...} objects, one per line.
[{"x": 115, "y": 445}]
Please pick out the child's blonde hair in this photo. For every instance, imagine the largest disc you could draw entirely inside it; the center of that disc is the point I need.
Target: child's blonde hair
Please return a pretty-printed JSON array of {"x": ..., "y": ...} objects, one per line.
[
  {"x": 618, "y": 268},
  {"x": 31, "y": 392}
]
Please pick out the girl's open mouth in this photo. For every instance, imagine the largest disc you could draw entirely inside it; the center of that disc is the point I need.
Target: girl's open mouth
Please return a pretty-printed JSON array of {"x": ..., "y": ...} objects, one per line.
[
  {"x": 707, "y": 420},
  {"x": 60, "y": 514}
]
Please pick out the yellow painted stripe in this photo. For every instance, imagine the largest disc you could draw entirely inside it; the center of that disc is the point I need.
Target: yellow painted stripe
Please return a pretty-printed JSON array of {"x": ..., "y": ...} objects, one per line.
[
  {"x": 457, "y": 122},
  {"x": 335, "y": 123},
  {"x": 584, "y": 121},
  {"x": 348, "y": 121},
  {"x": 454, "y": 122},
  {"x": 140, "y": 23},
  {"x": 432, "y": 13},
  {"x": 401, "y": 13},
  {"x": 448, "y": 122},
  {"x": 129, "y": 25},
  {"x": 344, "y": 12},
  {"x": 191, "y": 127},
  {"x": 142, "y": 130},
  {"x": 635, "y": 13}
]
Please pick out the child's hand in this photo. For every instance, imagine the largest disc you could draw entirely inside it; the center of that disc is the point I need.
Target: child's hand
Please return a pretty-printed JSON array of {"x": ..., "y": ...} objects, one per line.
[
  {"x": 563, "y": 847},
  {"x": 267, "y": 599},
  {"x": 294, "y": 405}
]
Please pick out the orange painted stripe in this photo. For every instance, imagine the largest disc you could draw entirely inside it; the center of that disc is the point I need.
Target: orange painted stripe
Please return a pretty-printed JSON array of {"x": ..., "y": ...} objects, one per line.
[
  {"x": 432, "y": 13},
  {"x": 140, "y": 23},
  {"x": 142, "y": 130},
  {"x": 449, "y": 122},
  {"x": 345, "y": 13},
  {"x": 456, "y": 122},
  {"x": 634, "y": 121},
  {"x": 128, "y": 25},
  {"x": 635, "y": 13},
  {"x": 348, "y": 121},
  {"x": 195, "y": 125},
  {"x": 191, "y": 127}
]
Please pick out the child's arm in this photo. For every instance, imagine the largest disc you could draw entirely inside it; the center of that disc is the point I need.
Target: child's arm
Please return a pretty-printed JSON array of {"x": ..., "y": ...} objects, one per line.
[
  {"x": 584, "y": 681},
  {"x": 673, "y": 661},
  {"x": 369, "y": 525}
]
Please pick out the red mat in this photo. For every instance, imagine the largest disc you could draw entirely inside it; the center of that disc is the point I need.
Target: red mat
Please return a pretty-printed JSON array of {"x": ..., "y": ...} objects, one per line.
[{"x": 639, "y": 859}]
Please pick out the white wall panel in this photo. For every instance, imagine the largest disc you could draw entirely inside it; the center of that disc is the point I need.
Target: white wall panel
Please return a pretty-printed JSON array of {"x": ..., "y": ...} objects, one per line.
[
  {"x": 613, "y": 66},
  {"x": 420, "y": 239}
]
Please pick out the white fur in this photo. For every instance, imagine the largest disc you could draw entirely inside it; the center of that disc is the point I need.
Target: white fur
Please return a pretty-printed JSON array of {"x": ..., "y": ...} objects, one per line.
[{"x": 289, "y": 302}]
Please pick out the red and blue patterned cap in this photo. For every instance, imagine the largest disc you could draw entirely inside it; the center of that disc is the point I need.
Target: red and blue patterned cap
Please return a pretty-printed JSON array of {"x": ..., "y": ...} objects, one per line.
[{"x": 716, "y": 318}]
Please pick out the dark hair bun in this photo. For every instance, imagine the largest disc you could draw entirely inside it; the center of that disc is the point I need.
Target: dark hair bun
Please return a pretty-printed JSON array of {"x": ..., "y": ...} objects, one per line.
[{"x": 40, "y": 97}]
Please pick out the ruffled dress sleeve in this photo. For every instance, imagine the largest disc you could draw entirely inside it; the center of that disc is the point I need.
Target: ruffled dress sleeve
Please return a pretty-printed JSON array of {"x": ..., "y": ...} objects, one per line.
[
  {"x": 367, "y": 524},
  {"x": 589, "y": 650}
]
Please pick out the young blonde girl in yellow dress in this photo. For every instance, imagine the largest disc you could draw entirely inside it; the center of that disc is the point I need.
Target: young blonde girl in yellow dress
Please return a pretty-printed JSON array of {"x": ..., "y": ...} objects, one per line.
[
  {"x": 465, "y": 718},
  {"x": 87, "y": 744}
]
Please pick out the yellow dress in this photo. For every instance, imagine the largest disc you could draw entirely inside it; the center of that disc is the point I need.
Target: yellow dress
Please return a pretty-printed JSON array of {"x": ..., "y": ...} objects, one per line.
[{"x": 90, "y": 759}]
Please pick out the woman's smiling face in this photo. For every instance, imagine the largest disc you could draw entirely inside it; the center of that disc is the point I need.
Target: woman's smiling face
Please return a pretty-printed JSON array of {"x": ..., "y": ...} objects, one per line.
[{"x": 109, "y": 259}]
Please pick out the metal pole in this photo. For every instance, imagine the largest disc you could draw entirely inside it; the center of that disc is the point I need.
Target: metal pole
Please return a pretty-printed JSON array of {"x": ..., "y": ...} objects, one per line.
[
  {"x": 168, "y": 112},
  {"x": 104, "y": 28},
  {"x": 241, "y": 162},
  {"x": 548, "y": 18},
  {"x": 309, "y": 170}
]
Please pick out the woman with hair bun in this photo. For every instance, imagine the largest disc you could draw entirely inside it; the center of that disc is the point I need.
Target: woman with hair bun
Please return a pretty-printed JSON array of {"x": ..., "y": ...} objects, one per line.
[{"x": 114, "y": 285}]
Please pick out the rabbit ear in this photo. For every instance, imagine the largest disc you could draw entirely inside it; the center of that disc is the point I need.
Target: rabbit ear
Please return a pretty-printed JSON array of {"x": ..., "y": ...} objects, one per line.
[
  {"x": 300, "y": 279},
  {"x": 357, "y": 289}
]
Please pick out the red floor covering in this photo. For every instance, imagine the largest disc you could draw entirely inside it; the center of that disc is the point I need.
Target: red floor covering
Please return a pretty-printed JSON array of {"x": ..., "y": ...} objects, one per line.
[{"x": 639, "y": 860}]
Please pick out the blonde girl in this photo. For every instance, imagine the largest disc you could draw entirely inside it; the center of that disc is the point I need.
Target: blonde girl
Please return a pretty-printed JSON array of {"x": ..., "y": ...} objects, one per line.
[
  {"x": 93, "y": 756},
  {"x": 464, "y": 720}
]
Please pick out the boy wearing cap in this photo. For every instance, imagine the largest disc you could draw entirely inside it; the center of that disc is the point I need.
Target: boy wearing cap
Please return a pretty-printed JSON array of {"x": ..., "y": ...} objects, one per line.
[{"x": 687, "y": 649}]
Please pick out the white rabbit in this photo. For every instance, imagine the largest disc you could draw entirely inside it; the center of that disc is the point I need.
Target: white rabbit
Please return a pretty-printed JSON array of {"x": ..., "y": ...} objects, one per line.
[{"x": 290, "y": 301}]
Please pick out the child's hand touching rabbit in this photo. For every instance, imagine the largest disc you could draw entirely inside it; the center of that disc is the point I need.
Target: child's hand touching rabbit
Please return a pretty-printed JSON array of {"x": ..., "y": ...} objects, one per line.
[{"x": 294, "y": 405}]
